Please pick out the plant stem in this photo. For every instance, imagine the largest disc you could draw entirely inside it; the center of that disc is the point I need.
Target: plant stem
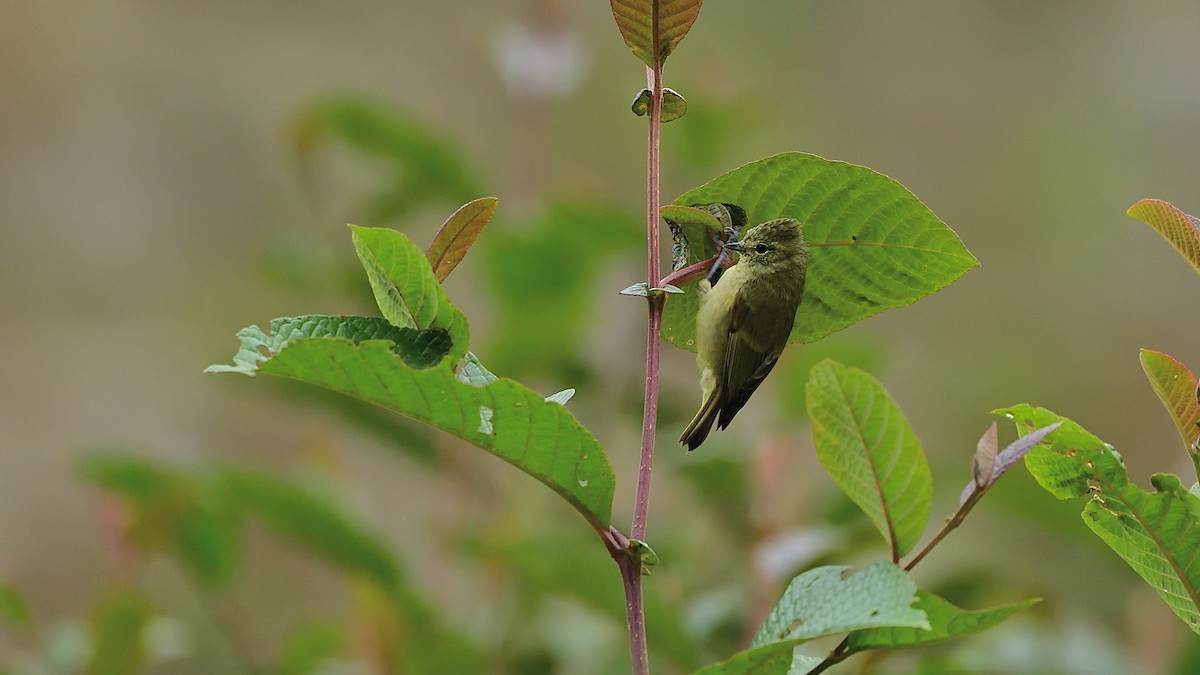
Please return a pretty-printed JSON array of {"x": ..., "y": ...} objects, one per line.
[{"x": 630, "y": 564}]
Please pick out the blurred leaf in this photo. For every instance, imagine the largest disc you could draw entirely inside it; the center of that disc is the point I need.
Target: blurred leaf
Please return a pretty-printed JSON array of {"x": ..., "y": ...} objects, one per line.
[
  {"x": 542, "y": 439},
  {"x": 791, "y": 373},
  {"x": 1176, "y": 388},
  {"x": 119, "y": 624},
  {"x": 311, "y": 646},
  {"x": 13, "y": 608},
  {"x": 313, "y": 523},
  {"x": 722, "y": 486},
  {"x": 546, "y": 280},
  {"x": 172, "y": 511},
  {"x": 873, "y": 245},
  {"x": 575, "y": 567},
  {"x": 652, "y": 28},
  {"x": 1155, "y": 533},
  {"x": 870, "y": 451},
  {"x": 946, "y": 621},
  {"x": 827, "y": 601},
  {"x": 427, "y": 167},
  {"x": 674, "y": 106},
  {"x": 406, "y": 290},
  {"x": 457, "y": 234},
  {"x": 1177, "y": 227},
  {"x": 317, "y": 526},
  {"x": 418, "y": 349}
]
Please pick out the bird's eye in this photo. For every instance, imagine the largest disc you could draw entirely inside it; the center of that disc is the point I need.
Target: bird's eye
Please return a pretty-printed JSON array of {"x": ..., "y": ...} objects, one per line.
[{"x": 761, "y": 248}]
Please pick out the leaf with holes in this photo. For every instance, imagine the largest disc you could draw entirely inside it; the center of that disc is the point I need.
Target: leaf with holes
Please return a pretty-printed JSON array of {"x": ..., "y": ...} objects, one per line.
[
  {"x": 1176, "y": 388},
  {"x": 870, "y": 451},
  {"x": 505, "y": 418},
  {"x": 405, "y": 287},
  {"x": 457, "y": 234},
  {"x": 1156, "y": 533},
  {"x": 873, "y": 245},
  {"x": 1177, "y": 227},
  {"x": 652, "y": 28}
]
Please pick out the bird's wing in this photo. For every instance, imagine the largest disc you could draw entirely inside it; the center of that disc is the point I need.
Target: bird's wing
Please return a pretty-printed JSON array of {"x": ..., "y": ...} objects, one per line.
[{"x": 745, "y": 365}]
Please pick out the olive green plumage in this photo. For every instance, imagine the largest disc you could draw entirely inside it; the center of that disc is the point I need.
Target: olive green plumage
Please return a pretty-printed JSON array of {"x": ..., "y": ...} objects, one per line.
[{"x": 744, "y": 321}]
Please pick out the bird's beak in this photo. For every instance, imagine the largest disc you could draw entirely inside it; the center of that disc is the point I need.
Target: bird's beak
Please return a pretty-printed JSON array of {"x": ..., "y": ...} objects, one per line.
[{"x": 734, "y": 246}]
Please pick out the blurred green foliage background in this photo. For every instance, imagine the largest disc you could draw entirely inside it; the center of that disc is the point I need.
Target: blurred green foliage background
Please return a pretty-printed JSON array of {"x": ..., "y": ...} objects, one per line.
[{"x": 171, "y": 172}]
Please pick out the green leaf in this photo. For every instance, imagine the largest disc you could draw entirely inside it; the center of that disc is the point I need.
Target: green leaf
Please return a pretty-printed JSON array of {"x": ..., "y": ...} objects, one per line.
[
  {"x": 425, "y": 168},
  {"x": 837, "y": 599},
  {"x": 870, "y": 451},
  {"x": 171, "y": 511},
  {"x": 417, "y": 348},
  {"x": 1177, "y": 227},
  {"x": 683, "y": 219},
  {"x": 313, "y": 523},
  {"x": 13, "y": 608},
  {"x": 456, "y": 235},
  {"x": 311, "y": 646},
  {"x": 674, "y": 106},
  {"x": 826, "y": 601},
  {"x": 547, "y": 278},
  {"x": 946, "y": 622},
  {"x": 573, "y": 566},
  {"x": 1155, "y": 533},
  {"x": 505, "y": 418},
  {"x": 308, "y": 519},
  {"x": 640, "y": 289},
  {"x": 873, "y": 245},
  {"x": 1176, "y": 388},
  {"x": 406, "y": 290},
  {"x": 119, "y": 624},
  {"x": 652, "y": 28}
]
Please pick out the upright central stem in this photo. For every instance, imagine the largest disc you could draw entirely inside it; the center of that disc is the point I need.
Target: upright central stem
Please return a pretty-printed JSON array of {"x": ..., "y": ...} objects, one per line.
[
  {"x": 631, "y": 566},
  {"x": 654, "y": 324}
]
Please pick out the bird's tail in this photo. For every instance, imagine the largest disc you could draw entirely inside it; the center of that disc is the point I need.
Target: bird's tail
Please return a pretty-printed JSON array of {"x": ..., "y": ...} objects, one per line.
[{"x": 701, "y": 424}]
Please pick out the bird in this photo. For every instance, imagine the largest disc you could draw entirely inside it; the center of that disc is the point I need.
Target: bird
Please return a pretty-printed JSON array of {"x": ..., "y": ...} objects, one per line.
[{"x": 744, "y": 321}]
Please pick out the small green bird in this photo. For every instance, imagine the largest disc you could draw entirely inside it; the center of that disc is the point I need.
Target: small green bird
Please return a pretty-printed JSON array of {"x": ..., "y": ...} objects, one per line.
[{"x": 744, "y": 321}]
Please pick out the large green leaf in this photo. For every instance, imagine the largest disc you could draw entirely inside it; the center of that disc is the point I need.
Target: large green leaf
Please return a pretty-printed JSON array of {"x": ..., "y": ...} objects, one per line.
[
  {"x": 405, "y": 287},
  {"x": 652, "y": 28},
  {"x": 507, "y": 419},
  {"x": 1177, "y": 227},
  {"x": 1176, "y": 388},
  {"x": 424, "y": 167},
  {"x": 868, "y": 447},
  {"x": 1157, "y": 534},
  {"x": 873, "y": 245},
  {"x": 826, "y": 601}
]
